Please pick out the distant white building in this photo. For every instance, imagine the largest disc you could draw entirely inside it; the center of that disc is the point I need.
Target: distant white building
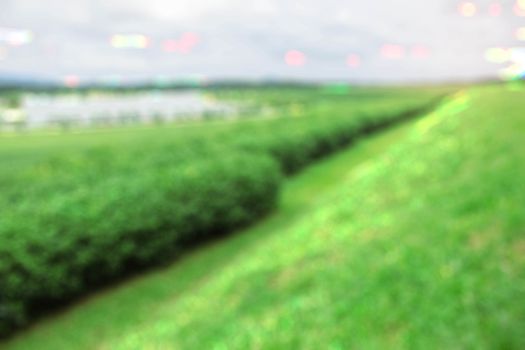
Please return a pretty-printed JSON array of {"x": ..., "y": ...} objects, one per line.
[{"x": 41, "y": 109}]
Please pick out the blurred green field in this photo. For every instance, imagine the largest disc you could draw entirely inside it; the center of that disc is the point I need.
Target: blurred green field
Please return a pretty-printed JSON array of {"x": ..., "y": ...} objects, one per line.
[
  {"x": 82, "y": 209},
  {"x": 411, "y": 239}
]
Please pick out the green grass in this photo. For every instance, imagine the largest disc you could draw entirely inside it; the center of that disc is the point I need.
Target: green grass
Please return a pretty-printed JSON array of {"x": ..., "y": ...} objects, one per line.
[{"x": 411, "y": 239}]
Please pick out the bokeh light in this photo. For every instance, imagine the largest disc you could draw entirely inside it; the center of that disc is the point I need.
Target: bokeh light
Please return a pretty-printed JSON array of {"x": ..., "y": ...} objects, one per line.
[
  {"x": 295, "y": 58},
  {"x": 129, "y": 41},
  {"x": 420, "y": 51},
  {"x": 495, "y": 9},
  {"x": 513, "y": 72},
  {"x": 353, "y": 60},
  {"x": 514, "y": 57},
  {"x": 498, "y": 55},
  {"x": 170, "y": 45},
  {"x": 184, "y": 44},
  {"x": 468, "y": 9},
  {"x": 392, "y": 52},
  {"x": 71, "y": 81},
  {"x": 520, "y": 34},
  {"x": 519, "y": 8},
  {"x": 189, "y": 39},
  {"x": 16, "y": 37}
]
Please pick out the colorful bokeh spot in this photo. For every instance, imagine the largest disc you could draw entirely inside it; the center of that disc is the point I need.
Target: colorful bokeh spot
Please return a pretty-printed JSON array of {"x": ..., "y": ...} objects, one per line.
[
  {"x": 392, "y": 52},
  {"x": 513, "y": 57},
  {"x": 420, "y": 51},
  {"x": 468, "y": 9},
  {"x": 295, "y": 58},
  {"x": 71, "y": 81},
  {"x": 519, "y": 8},
  {"x": 495, "y": 9},
  {"x": 184, "y": 44},
  {"x": 129, "y": 41},
  {"x": 353, "y": 60},
  {"x": 16, "y": 37},
  {"x": 520, "y": 34},
  {"x": 514, "y": 72},
  {"x": 498, "y": 55}
]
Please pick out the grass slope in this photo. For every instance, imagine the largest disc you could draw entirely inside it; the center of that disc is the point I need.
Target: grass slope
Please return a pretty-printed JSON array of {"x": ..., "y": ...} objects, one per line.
[{"x": 413, "y": 239}]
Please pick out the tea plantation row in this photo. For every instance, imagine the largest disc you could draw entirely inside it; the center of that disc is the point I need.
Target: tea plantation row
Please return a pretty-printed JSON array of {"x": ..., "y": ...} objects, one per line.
[{"x": 74, "y": 221}]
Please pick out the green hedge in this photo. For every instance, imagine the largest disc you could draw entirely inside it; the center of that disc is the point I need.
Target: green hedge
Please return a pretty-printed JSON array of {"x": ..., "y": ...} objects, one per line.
[
  {"x": 297, "y": 143},
  {"x": 54, "y": 247}
]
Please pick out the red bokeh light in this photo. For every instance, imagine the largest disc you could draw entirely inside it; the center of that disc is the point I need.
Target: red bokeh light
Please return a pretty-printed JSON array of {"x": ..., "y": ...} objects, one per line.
[
  {"x": 295, "y": 58},
  {"x": 353, "y": 61},
  {"x": 185, "y": 44},
  {"x": 495, "y": 9},
  {"x": 392, "y": 52},
  {"x": 71, "y": 81},
  {"x": 420, "y": 51}
]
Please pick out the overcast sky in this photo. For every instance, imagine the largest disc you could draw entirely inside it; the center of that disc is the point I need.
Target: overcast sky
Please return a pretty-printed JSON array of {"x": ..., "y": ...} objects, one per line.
[{"x": 250, "y": 38}]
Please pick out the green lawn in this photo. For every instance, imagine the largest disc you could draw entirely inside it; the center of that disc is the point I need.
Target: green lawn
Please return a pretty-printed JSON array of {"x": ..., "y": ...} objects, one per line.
[{"x": 410, "y": 239}]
